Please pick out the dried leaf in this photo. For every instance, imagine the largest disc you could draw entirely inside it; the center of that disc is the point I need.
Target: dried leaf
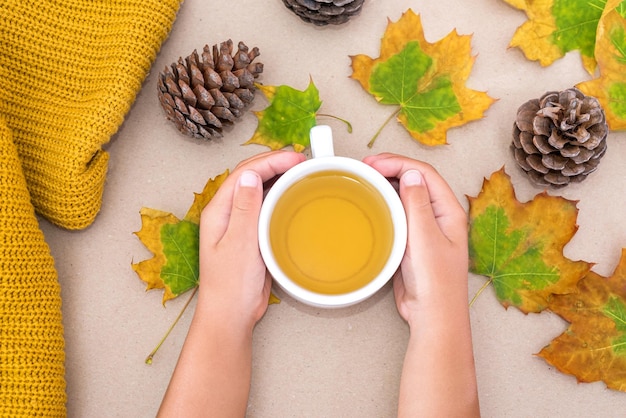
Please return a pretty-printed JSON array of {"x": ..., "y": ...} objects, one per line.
[
  {"x": 289, "y": 117},
  {"x": 426, "y": 81},
  {"x": 174, "y": 244},
  {"x": 593, "y": 347},
  {"x": 555, "y": 27},
  {"x": 519, "y": 246},
  {"x": 610, "y": 51}
]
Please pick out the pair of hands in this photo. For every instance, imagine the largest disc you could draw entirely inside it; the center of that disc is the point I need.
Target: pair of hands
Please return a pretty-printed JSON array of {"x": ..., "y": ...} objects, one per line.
[{"x": 232, "y": 272}]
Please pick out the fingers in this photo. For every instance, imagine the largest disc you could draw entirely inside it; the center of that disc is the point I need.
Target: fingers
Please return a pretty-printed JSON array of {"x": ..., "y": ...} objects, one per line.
[
  {"x": 247, "y": 199},
  {"x": 266, "y": 166},
  {"x": 422, "y": 184},
  {"x": 272, "y": 163},
  {"x": 392, "y": 165},
  {"x": 419, "y": 211}
]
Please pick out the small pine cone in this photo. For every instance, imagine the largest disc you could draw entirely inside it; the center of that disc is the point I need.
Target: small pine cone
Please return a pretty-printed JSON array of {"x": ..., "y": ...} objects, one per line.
[
  {"x": 205, "y": 91},
  {"x": 560, "y": 137},
  {"x": 324, "y": 12}
]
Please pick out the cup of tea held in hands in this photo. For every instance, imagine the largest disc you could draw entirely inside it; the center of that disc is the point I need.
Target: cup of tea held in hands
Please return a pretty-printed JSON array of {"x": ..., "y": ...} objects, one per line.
[{"x": 332, "y": 230}]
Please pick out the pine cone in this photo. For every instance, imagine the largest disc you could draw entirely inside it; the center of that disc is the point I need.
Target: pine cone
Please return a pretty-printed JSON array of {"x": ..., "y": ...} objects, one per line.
[
  {"x": 324, "y": 12},
  {"x": 203, "y": 92},
  {"x": 560, "y": 137}
]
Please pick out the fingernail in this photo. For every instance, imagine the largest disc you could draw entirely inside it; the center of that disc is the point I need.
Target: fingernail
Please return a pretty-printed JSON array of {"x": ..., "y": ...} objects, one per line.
[
  {"x": 412, "y": 178},
  {"x": 248, "y": 179}
]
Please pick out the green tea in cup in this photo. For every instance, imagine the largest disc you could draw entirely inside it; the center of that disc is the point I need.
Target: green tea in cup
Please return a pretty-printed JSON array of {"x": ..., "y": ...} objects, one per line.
[{"x": 331, "y": 232}]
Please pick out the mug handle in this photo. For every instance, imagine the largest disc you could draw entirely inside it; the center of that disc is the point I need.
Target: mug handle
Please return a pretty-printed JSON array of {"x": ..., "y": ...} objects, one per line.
[{"x": 321, "y": 137}]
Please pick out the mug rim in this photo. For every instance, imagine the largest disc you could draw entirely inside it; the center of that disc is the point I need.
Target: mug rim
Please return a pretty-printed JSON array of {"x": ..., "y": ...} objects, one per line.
[{"x": 392, "y": 201}]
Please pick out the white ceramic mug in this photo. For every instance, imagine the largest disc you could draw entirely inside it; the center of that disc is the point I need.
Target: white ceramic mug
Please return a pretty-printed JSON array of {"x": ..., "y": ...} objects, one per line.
[{"x": 324, "y": 160}]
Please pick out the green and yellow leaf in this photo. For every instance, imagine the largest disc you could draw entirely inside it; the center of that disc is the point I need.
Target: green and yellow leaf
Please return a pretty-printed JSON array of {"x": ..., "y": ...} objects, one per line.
[
  {"x": 174, "y": 245},
  {"x": 519, "y": 246},
  {"x": 426, "y": 82},
  {"x": 610, "y": 51},
  {"x": 556, "y": 27}
]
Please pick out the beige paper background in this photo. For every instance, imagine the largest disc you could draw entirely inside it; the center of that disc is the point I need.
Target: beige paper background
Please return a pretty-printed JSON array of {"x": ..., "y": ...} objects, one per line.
[{"x": 311, "y": 362}]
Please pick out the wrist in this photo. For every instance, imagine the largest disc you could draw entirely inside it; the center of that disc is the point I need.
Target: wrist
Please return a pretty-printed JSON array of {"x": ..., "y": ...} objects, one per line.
[
  {"x": 233, "y": 309},
  {"x": 438, "y": 314},
  {"x": 224, "y": 318}
]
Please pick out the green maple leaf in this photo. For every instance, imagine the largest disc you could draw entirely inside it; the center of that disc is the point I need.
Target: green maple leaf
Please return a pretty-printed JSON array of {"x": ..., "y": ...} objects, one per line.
[
  {"x": 289, "y": 117},
  {"x": 508, "y": 256},
  {"x": 576, "y": 24},
  {"x": 519, "y": 247},
  {"x": 422, "y": 109}
]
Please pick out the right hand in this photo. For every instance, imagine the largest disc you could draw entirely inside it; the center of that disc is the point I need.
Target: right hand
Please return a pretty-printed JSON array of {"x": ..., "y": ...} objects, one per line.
[{"x": 435, "y": 264}]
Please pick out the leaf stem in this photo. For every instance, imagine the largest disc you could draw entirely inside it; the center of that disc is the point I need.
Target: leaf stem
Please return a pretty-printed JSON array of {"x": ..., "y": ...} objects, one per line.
[
  {"x": 153, "y": 352},
  {"x": 483, "y": 287},
  {"x": 348, "y": 124},
  {"x": 371, "y": 143}
]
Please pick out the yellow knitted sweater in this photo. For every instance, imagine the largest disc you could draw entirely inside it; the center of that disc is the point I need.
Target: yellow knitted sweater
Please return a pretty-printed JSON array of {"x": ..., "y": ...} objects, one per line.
[
  {"x": 69, "y": 72},
  {"x": 31, "y": 333}
]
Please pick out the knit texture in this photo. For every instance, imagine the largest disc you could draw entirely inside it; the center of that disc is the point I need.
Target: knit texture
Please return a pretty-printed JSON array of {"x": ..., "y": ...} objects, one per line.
[
  {"x": 31, "y": 332},
  {"x": 69, "y": 72}
]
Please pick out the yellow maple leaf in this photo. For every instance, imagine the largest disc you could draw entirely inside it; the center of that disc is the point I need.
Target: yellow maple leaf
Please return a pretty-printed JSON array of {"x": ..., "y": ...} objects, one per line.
[
  {"x": 531, "y": 36},
  {"x": 426, "y": 81}
]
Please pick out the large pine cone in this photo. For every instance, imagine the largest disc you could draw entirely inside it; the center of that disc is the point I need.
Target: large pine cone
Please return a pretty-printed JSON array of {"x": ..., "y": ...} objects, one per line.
[
  {"x": 560, "y": 137},
  {"x": 203, "y": 92},
  {"x": 324, "y": 12}
]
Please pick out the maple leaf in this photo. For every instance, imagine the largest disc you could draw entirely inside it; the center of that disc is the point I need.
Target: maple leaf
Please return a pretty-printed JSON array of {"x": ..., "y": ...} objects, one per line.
[
  {"x": 519, "y": 246},
  {"x": 555, "y": 27},
  {"x": 289, "y": 117},
  {"x": 593, "y": 348},
  {"x": 174, "y": 244},
  {"x": 426, "y": 81},
  {"x": 610, "y": 51}
]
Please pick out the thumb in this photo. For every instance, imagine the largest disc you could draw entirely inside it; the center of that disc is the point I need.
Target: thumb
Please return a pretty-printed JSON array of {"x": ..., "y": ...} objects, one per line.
[
  {"x": 419, "y": 211},
  {"x": 246, "y": 206}
]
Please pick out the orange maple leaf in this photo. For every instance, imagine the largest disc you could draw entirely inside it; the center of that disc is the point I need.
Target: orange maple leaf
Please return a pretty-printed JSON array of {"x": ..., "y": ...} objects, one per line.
[{"x": 593, "y": 348}]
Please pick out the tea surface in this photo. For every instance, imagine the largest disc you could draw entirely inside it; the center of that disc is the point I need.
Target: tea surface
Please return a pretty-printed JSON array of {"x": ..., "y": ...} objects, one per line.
[{"x": 331, "y": 232}]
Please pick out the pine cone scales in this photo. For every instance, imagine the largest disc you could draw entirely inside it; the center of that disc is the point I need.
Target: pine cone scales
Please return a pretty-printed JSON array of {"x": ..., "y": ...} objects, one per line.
[
  {"x": 204, "y": 91},
  {"x": 324, "y": 12},
  {"x": 560, "y": 137}
]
